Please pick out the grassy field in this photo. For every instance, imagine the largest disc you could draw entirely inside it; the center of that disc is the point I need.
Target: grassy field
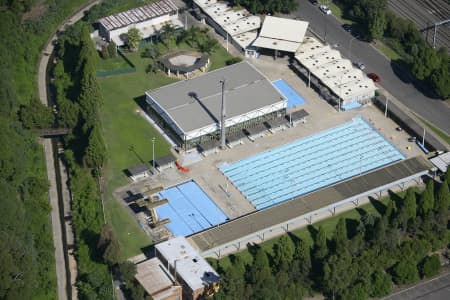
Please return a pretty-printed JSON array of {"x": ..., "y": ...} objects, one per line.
[
  {"x": 128, "y": 136},
  {"x": 112, "y": 64},
  {"x": 305, "y": 234},
  {"x": 388, "y": 51}
]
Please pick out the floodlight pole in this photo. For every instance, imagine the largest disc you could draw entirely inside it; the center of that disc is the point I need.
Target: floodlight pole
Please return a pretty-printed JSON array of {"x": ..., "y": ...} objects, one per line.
[
  {"x": 222, "y": 117},
  {"x": 423, "y": 138},
  {"x": 386, "y": 107},
  {"x": 153, "y": 153}
]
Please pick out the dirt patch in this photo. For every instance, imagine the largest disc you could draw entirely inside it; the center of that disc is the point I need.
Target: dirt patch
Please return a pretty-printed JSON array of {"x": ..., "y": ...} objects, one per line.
[{"x": 35, "y": 13}]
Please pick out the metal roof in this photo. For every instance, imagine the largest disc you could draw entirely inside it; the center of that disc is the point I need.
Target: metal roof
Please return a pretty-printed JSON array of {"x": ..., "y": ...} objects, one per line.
[
  {"x": 441, "y": 161},
  {"x": 194, "y": 269},
  {"x": 138, "y": 14},
  {"x": 260, "y": 220},
  {"x": 195, "y": 103},
  {"x": 139, "y": 169},
  {"x": 281, "y": 34}
]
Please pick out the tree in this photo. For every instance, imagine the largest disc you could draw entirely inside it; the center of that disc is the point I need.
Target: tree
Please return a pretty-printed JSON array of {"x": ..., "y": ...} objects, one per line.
[
  {"x": 320, "y": 245},
  {"x": 36, "y": 115},
  {"x": 425, "y": 63},
  {"x": 340, "y": 238},
  {"x": 301, "y": 264},
  {"x": 409, "y": 204},
  {"x": 134, "y": 37},
  {"x": 405, "y": 271},
  {"x": 357, "y": 292},
  {"x": 426, "y": 200},
  {"x": 376, "y": 20},
  {"x": 381, "y": 284},
  {"x": 108, "y": 245},
  {"x": 283, "y": 253},
  {"x": 440, "y": 80},
  {"x": 95, "y": 151},
  {"x": 338, "y": 273},
  {"x": 207, "y": 45},
  {"x": 430, "y": 266},
  {"x": 127, "y": 271},
  {"x": 442, "y": 199},
  {"x": 112, "y": 49}
]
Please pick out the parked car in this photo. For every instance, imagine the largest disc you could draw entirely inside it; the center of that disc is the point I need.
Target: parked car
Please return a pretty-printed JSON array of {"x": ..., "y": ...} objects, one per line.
[
  {"x": 347, "y": 27},
  {"x": 374, "y": 77},
  {"x": 325, "y": 9},
  {"x": 412, "y": 139},
  {"x": 360, "y": 65}
]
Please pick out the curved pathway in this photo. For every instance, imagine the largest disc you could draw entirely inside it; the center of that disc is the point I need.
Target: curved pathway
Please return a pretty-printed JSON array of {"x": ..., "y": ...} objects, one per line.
[{"x": 57, "y": 226}]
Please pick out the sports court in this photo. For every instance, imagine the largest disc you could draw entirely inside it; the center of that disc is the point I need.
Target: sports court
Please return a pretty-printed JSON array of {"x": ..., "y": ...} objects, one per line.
[
  {"x": 189, "y": 209},
  {"x": 309, "y": 164},
  {"x": 293, "y": 98}
]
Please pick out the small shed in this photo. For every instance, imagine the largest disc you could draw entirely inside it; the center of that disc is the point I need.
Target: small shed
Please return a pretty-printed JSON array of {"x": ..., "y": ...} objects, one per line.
[
  {"x": 297, "y": 117},
  {"x": 165, "y": 162},
  {"x": 441, "y": 161},
  {"x": 139, "y": 172}
]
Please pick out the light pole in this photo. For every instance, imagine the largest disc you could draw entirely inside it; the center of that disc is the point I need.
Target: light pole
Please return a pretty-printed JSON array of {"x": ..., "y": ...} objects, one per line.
[
  {"x": 153, "y": 153},
  {"x": 350, "y": 47}
]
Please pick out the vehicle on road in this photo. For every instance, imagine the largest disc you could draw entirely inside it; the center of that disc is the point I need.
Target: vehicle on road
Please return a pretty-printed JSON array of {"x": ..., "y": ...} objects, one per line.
[
  {"x": 314, "y": 2},
  {"x": 374, "y": 77},
  {"x": 325, "y": 9},
  {"x": 360, "y": 65},
  {"x": 347, "y": 27}
]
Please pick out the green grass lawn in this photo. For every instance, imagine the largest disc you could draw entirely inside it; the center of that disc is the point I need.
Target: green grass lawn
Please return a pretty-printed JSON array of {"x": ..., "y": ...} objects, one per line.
[
  {"x": 112, "y": 64},
  {"x": 388, "y": 51},
  {"x": 128, "y": 136}
]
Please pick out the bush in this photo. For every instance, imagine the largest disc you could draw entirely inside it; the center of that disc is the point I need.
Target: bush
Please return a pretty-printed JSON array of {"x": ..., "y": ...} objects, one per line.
[
  {"x": 405, "y": 272},
  {"x": 233, "y": 61},
  {"x": 430, "y": 266}
]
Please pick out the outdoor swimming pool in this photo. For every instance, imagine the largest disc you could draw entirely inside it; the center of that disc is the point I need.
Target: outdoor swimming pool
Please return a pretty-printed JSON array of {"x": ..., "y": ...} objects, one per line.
[
  {"x": 189, "y": 209},
  {"x": 311, "y": 163}
]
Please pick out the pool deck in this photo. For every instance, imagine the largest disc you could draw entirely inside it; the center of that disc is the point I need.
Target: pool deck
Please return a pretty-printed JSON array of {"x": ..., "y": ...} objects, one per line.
[{"x": 322, "y": 116}]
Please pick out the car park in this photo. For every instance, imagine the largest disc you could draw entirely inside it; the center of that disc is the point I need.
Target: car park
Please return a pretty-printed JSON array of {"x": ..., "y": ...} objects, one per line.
[
  {"x": 374, "y": 77},
  {"x": 325, "y": 9}
]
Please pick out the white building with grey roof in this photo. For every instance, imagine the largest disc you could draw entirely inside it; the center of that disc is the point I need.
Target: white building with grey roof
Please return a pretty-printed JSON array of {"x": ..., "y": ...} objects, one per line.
[
  {"x": 149, "y": 19},
  {"x": 192, "y": 108}
]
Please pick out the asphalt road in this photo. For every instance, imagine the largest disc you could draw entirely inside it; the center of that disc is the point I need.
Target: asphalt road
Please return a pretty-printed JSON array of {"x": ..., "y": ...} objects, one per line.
[
  {"x": 435, "y": 289},
  {"x": 392, "y": 79}
]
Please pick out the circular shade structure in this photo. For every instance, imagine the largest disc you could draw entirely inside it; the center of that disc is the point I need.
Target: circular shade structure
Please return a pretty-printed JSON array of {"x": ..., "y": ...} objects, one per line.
[{"x": 184, "y": 63}]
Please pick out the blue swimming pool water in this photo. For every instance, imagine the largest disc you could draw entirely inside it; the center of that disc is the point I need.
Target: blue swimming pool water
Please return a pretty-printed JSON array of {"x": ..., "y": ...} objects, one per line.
[
  {"x": 293, "y": 98},
  {"x": 189, "y": 209},
  {"x": 312, "y": 163}
]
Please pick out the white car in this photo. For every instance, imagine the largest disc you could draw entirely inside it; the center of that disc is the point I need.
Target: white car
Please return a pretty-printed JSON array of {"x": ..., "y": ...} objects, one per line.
[
  {"x": 325, "y": 9},
  {"x": 361, "y": 65}
]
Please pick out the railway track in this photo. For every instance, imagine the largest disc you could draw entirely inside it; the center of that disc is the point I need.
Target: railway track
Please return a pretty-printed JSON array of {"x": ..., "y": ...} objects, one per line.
[{"x": 424, "y": 13}]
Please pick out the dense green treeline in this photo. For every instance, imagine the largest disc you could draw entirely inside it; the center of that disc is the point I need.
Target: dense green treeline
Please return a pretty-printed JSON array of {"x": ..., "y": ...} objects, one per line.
[
  {"x": 429, "y": 66},
  {"x": 361, "y": 259},
  {"x": 27, "y": 268}
]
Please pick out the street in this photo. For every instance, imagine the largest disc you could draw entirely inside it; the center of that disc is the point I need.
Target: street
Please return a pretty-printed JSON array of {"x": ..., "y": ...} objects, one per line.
[
  {"x": 393, "y": 79},
  {"x": 435, "y": 289}
]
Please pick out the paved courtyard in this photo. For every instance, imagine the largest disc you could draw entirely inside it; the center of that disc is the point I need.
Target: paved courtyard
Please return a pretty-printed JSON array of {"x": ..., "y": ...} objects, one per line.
[{"x": 321, "y": 116}]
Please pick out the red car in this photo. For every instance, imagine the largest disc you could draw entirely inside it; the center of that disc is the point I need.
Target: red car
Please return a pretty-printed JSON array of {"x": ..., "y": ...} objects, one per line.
[{"x": 374, "y": 77}]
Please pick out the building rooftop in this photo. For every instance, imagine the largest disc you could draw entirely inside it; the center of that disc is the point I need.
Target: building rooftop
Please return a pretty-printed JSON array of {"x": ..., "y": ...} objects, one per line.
[
  {"x": 281, "y": 34},
  {"x": 196, "y": 103},
  {"x": 189, "y": 265},
  {"x": 153, "y": 276},
  {"x": 138, "y": 15},
  {"x": 441, "y": 161},
  {"x": 138, "y": 169}
]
